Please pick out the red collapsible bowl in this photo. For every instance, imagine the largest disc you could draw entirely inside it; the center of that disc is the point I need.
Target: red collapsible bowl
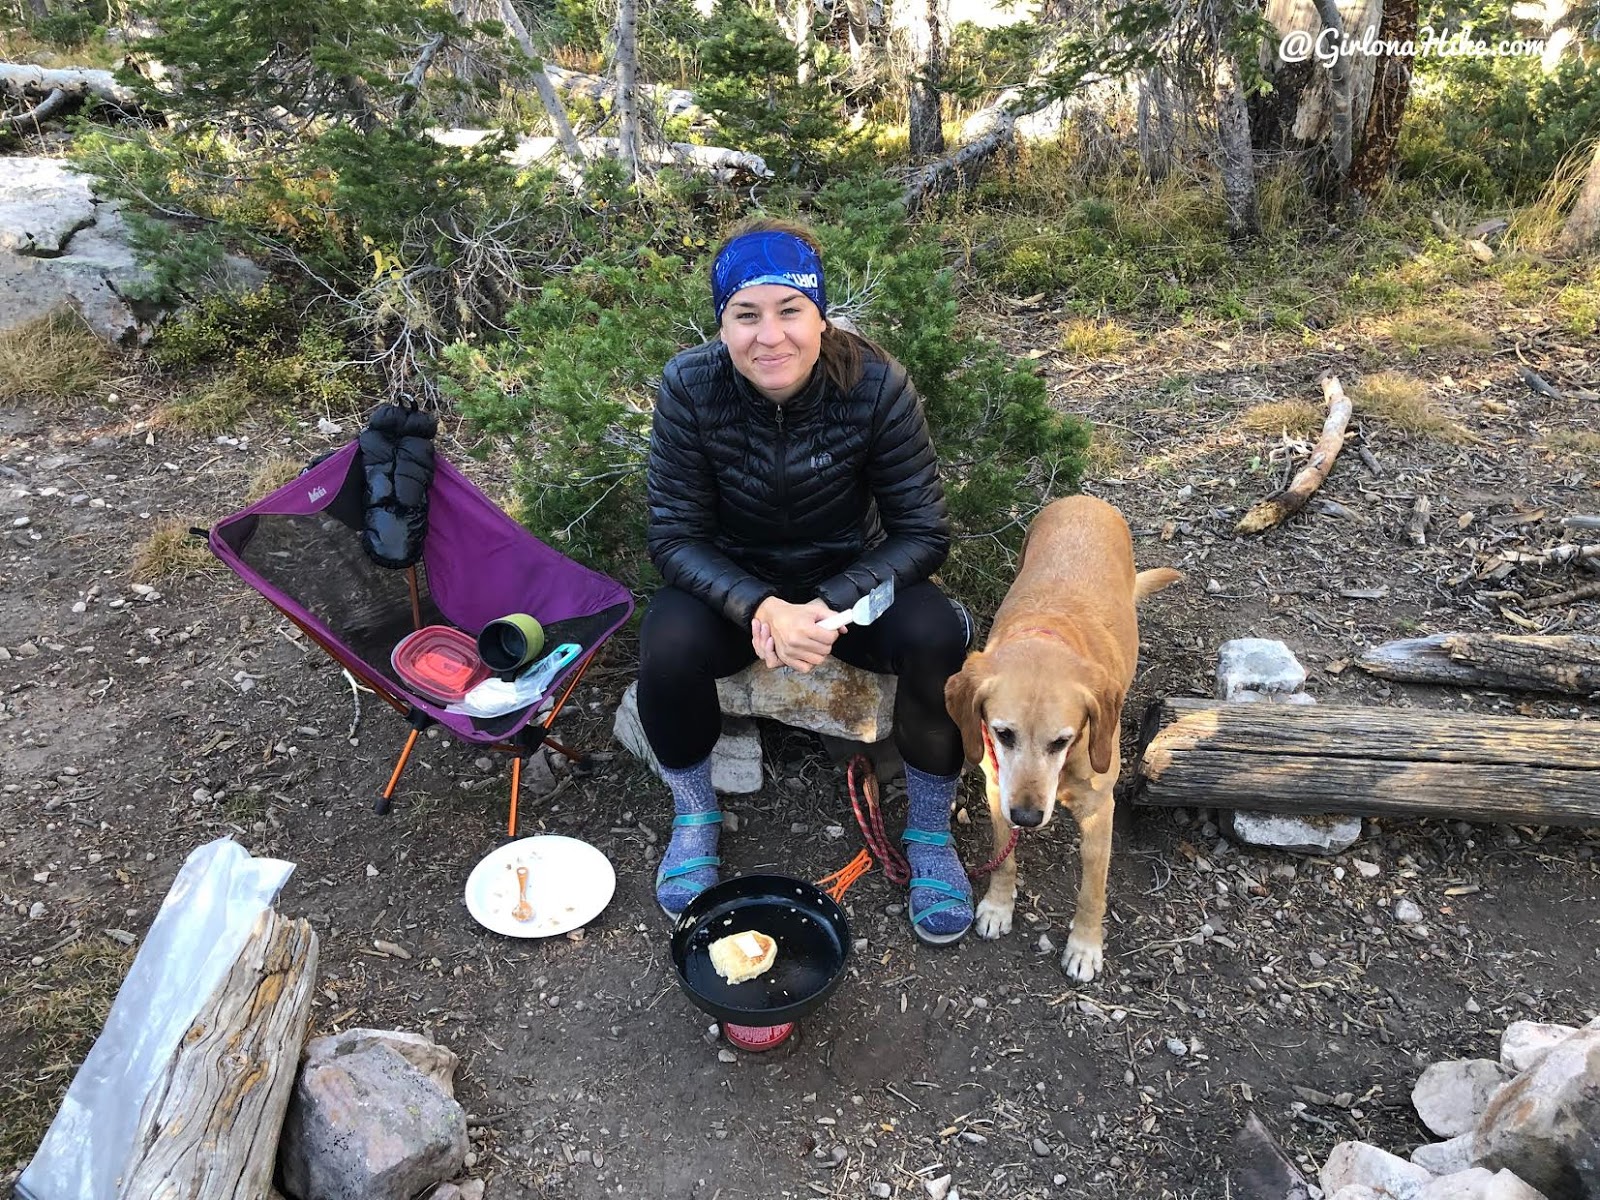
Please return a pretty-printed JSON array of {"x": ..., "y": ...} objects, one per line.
[{"x": 439, "y": 663}]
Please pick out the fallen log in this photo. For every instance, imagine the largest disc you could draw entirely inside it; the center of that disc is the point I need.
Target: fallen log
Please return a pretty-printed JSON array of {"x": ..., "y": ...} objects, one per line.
[
  {"x": 1310, "y": 477},
  {"x": 28, "y": 81},
  {"x": 209, "y": 1129},
  {"x": 718, "y": 160},
  {"x": 1567, "y": 663},
  {"x": 1325, "y": 759},
  {"x": 1584, "y": 591}
]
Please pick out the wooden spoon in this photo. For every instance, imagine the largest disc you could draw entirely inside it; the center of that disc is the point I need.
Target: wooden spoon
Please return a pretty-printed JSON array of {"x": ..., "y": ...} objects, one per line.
[{"x": 523, "y": 911}]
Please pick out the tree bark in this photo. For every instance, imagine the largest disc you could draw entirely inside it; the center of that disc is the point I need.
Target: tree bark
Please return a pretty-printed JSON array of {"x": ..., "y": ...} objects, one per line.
[
  {"x": 627, "y": 54},
  {"x": 1391, "y": 88},
  {"x": 1567, "y": 664},
  {"x": 1238, "y": 158},
  {"x": 1310, "y": 477},
  {"x": 1582, "y": 228},
  {"x": 209, "y": 1129},
  {"x": 553, "y": 107},
  {"x": 1340, "y": 126},
  {"x": 1326, "y": 759},
  {"x": 796, "y": 16},
  {"x": 860, "y": 30},
  {"x": 924, "y": 120}
]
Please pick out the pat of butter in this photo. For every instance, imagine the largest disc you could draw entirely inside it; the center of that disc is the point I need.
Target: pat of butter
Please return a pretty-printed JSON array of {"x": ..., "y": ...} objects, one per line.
[{"x": 749, "y": 944}]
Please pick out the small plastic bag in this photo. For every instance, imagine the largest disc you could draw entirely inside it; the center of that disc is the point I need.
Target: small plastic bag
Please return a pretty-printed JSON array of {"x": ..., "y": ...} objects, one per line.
[
  {"x": 496, "y": 697},
  {"x": 208, "y": 915}
]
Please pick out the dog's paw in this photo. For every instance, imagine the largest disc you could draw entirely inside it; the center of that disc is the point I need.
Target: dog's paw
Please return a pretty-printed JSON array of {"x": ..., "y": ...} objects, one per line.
[
  {"x": 994, "y": 918},
  {"x": 1083, "y": 958}
]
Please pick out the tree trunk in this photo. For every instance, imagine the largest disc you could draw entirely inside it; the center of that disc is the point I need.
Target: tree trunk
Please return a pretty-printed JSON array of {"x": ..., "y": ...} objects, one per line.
[
  {"x": 1391, "y": 87},
  {"x": 926, "y": 127},
  {"x": 1326, "y": 759},
  {"x": 1238, "y": 159},
  {"x": 627, "y": 52},
  {"x": 1340, "y": 125},
  {"x": 1582, "y": 229},
  {"x": 553, "y": 107},
  {"x": 860, "y": 30},
  {"x": 796, "y": 16},
  {"x": 1567, "y": 664},
  {"x": 209, "y": 1129}
]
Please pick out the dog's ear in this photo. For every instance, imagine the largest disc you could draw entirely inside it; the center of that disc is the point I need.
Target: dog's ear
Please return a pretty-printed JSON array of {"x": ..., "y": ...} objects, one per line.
[
  {"x": 1105, "y": 721},
  {"x": 964, "y": 694}
]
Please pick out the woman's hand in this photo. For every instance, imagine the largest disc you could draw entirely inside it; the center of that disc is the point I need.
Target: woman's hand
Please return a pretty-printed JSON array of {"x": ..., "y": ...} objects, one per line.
[{"x": 788, "y": 634}]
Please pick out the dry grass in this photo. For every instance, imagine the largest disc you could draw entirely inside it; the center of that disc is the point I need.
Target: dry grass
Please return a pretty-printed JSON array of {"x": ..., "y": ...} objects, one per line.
[
  {"x": 59, "y": 1009},
  {"x": 1403, "y": 404},
  {"x": 1539, "y": 225},
  {"x": 1574, "y": 441},
  {"x": 54, "y": 360},
  {"x": 217, "y": 407},
  {"x": 1298, "y": 417},
  {"x": 271, "y": 476},
  {"x": 1436, "y": 331},
  {"x": 1081, "y": 338},
  {"x": 171, "y": 551},
  {"x": 1106, "y": 455}
]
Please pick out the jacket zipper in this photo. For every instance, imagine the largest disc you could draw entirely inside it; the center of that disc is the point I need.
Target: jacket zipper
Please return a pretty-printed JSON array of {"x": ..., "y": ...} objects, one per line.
[{"x": 781, "y": 462}]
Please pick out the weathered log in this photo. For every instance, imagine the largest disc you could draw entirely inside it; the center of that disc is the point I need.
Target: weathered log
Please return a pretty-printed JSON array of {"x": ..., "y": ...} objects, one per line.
[
  {"x": 1327, "y": 759},
  {"x": 716, "y": 159},
  {"x": 1584, "y": 591},
  {"x": 1310, "y": 477},
  {"x": 1569, "y": 664},
  {"x": 28, "y": 81},
  {"x": 209, "y": 1128}
]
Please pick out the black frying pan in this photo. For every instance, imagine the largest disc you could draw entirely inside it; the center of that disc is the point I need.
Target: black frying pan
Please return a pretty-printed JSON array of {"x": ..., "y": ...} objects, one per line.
[{"x": 813, "y": 945}]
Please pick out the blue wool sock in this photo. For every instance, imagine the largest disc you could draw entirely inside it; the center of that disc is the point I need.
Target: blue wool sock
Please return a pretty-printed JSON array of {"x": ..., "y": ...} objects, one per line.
[
  {"x": 947, "y": 897},
  {"x": 690, "y": 863}
]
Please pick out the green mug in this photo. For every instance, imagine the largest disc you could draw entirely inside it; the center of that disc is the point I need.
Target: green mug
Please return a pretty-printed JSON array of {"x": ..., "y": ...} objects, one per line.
[{"x": 509, "y": 644}]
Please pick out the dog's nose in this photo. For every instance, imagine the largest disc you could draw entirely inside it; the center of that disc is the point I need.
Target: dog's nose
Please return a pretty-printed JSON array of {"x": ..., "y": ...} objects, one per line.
[{"x": 1028, "y": 818}]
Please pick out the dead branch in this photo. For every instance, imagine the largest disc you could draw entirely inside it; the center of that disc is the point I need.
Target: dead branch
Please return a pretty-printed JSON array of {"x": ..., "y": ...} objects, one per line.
[
  {"x": 1560, "y": 555},
  {"x": 543, "y": 83},
  {"x": 39, "y": 113},
  {"x": 1417, "y": 527},
  {"x": 1310, "y": 477},
  {"x": 1587, "y": 591},
  {"x": 674, "y": 102},
  {"x": 1580, "y": 522}
]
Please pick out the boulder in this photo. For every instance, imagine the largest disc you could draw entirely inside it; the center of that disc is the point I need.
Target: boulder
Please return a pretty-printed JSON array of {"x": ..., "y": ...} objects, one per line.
[
  {"x": 1545, "y": 1124},
  {"x": 364, "y": 1123},
  {"x": 1357, "y": 1163},
  {"x": 1451, "y": 1096},
  {"x": 833, "y": 698},
  {"x": 433, "y": 1060},
  {"x": 1477, "y": 1184},
  {"x": 1445, "y": 1158},
  {"x": 62, "y": 249},
  {"x": 735, "y": 760},
  {"x": 1524, "y": 1043}
]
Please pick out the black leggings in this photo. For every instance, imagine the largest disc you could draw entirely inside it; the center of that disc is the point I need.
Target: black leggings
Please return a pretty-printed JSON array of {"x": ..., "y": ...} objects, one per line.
[{"x": 685, "y": 647}]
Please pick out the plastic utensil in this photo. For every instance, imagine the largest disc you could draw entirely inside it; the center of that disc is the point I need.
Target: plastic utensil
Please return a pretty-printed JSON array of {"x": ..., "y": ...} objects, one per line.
[
  {"x": 865, "y": 610},
  {"x": 523, "y": 910}
]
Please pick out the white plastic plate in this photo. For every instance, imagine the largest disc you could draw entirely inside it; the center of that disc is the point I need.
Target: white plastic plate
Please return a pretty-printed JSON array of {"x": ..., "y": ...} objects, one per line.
[{"x": 569, "y": 884}]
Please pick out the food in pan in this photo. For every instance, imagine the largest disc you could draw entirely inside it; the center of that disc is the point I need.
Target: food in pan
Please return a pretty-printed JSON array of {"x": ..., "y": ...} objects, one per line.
[{"x": 743, "y": 956}]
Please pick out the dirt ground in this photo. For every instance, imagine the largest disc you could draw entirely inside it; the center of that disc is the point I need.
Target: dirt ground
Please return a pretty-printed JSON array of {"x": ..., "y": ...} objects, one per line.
[{"x": 134, "y": 727}]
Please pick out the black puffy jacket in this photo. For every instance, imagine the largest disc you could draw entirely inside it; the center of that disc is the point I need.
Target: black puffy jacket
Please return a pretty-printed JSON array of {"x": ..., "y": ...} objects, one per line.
[{"x": 825, "y": 496}]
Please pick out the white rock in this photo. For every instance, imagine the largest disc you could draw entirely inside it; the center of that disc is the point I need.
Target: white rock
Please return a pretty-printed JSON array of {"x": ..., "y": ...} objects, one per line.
[
  {"x": 1359, "y": 1163},
  {"x": 1305, "y": 835},
  {"x": 735, "y": 760},
  {"x": 1359, "y": 1191},
  {"x": 1407, "y": 912},
  {"x": 937, "y": 1189},
  {"x": 1545, "y": 1124},
  {"x": 1445, "y": 1158},
  {"x": 1451, "y": 1096},
  {"x": 1477, "y": 1183},
  {"x": 1257, "y": 665},
  {"x": 1524, "y": 1043}
]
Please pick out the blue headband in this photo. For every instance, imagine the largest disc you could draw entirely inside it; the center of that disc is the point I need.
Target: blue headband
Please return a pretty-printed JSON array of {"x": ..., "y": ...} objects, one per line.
[{"x": 767, "y": 256}]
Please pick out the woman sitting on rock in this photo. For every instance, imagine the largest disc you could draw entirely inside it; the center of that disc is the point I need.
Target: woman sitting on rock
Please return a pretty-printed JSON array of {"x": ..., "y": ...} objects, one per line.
[{"x": 790, "y": 472}]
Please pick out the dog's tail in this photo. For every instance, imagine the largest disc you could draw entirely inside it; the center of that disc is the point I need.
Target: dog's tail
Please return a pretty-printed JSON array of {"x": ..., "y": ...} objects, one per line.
[{"x": 1148, "y": 583}]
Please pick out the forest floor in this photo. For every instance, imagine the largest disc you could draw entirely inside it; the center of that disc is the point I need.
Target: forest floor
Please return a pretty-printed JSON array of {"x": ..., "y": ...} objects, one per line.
[{"x": 135, "y": 726}]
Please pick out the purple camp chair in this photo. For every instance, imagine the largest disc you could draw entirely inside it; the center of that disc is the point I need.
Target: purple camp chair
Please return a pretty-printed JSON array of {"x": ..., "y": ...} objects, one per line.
[{"x": 300, "y": 547}]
